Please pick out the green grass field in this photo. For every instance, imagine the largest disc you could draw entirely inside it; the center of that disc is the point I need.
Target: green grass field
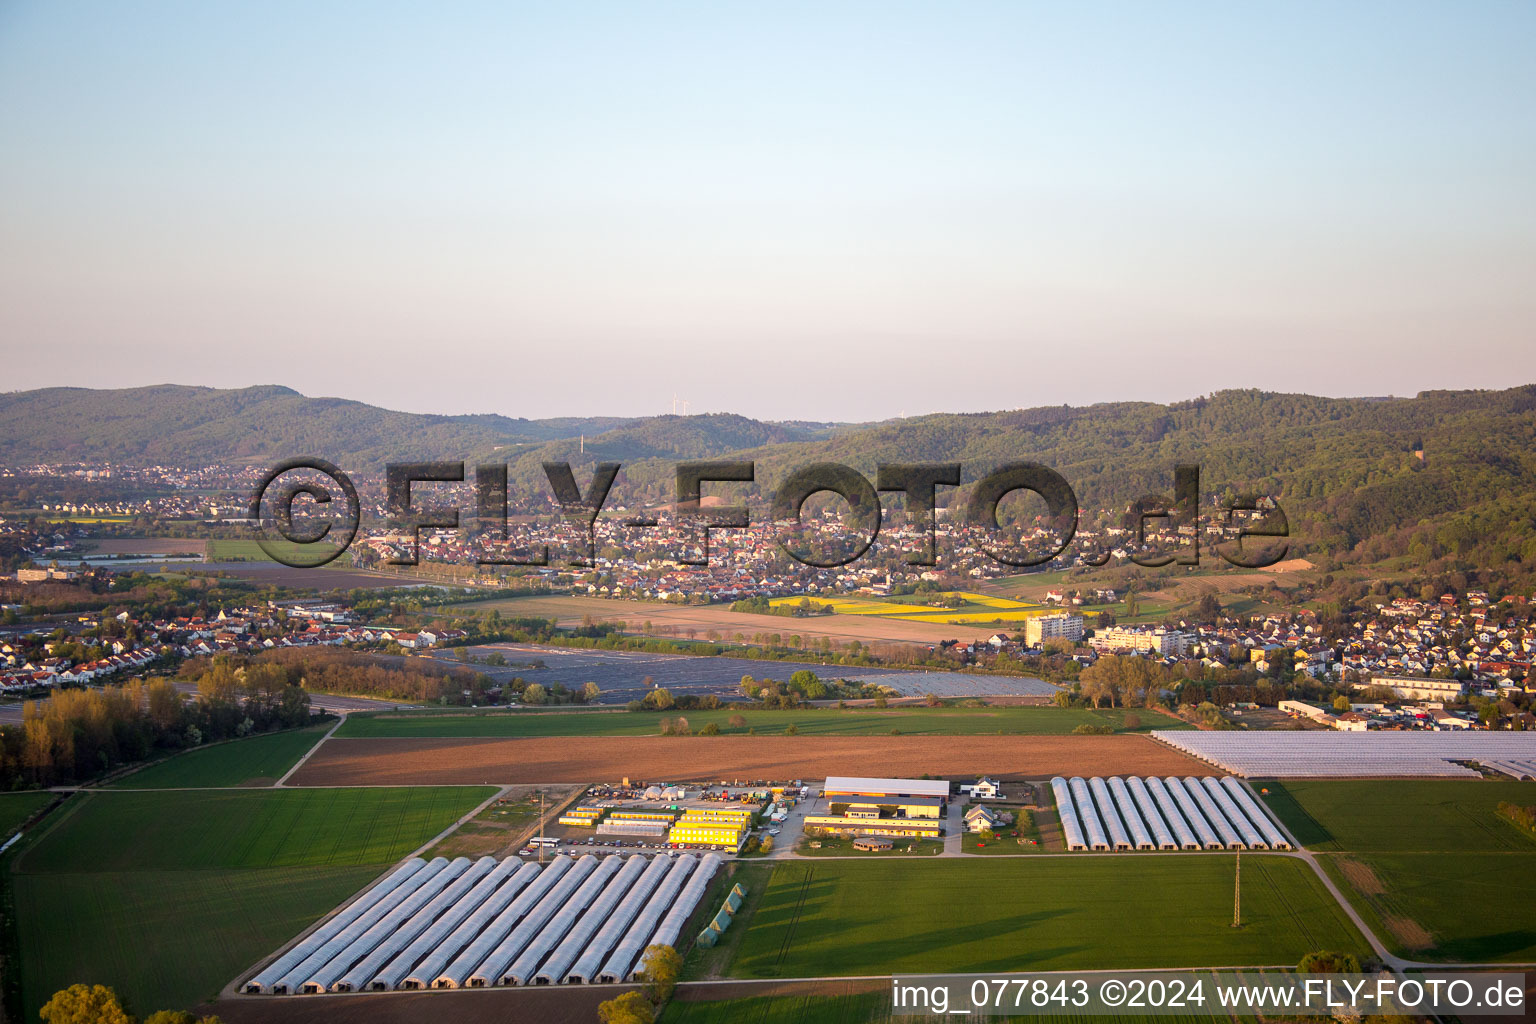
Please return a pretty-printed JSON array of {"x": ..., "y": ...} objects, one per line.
[
  {"x": 851, "y": 1008},
  {"x": 167, "y": 896},
  {"x": 917, "y": 721},
  {"x": 257, "y": 760},
  {"x": 188, "y": 829},
  {"x": 165, "y": 939},
  {"x": 1435, "y": 872},
  {"x": 250, "y": 551},
  {"x": 1400, "y": 815},
  {"x": 16, "y": 808},
  {"x": 982, "y": 914},
  {"x": 858, "y": 1008}
]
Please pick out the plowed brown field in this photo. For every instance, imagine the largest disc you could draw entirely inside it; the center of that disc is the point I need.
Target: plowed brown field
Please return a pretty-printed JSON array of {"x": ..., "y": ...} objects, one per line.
[{"x": 436, "y": 761}]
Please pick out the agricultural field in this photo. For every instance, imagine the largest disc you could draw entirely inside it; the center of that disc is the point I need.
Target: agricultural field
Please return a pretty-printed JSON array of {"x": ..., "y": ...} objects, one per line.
[
  {"x": 845, "y": 1003},
  {"x": 254, "y": 761},
  {"x": 250, "y": 551},
  {"x": 1432, "y": 815},
  {"x": 208, "y": 882},
  {"x": 845, "y": 1008},
  {"x": 1002, "y": 720},
  {"x": 973, "y": 609},
  {"x": 16, "y": 808},
  {"x": 537, "y": 760},
  {"x": 836, "y": 918},
  {"x": 697, "y": 621},
  {"x": 1429, "y": 865}
]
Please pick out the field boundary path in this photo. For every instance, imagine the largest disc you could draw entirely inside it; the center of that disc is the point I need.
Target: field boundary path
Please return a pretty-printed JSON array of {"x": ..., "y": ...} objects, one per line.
[{"x": 283, "y": 782}]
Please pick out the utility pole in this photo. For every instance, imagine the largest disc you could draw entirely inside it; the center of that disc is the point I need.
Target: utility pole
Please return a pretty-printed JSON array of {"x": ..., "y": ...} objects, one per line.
[
  {"x": 541, "y": 827},
  {"x": 1237, "y": 894}
]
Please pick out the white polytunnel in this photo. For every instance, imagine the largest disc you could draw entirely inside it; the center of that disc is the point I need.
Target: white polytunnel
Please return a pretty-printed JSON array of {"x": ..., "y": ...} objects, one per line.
[
  {"x": 477, "y": 921},
  {"x": 1227, "y": 806},
  {"x": 1093, "y": 828},
  {"x": 1256, "y": 813},
  {"x": 1119, "y": 837},
  {"x": 393, "y": 974},
  {"x": 560, "y": 923},
  {"x": 1151, "y": 815},
  {"x": 575, "y": 941},
  {"x": 367, "y": 969},
  {"x": 275, "y": 971},
  {"x": 328, "y": 978},
  {"x": 1071, "y": 828},
  {"x": 457, "y": 973},
  {"x": 1132, "y": 816},
  {"x": 633, "y": 943},
  {"x": 1174, "y": 813},
  {"x": 499, "y": 959},
  {"x": 672, "y": 924},
  {"x": 1229, "y": 836},
  {"x": 1192, "y": 813},
  {"x": 300, "y": 972},
  {"x": 591, "y": 960}
]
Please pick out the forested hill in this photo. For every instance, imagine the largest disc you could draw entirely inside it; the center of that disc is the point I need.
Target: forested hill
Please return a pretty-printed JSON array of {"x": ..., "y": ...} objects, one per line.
[
  {"x": 176, "y": 425},
  {"x": 1346, "y": 469}
]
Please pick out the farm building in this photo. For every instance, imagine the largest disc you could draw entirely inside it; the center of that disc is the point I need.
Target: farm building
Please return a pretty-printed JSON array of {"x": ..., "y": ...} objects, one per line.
[
  {"x": 982, "y": 819},
  {"x": 872, "y": 844},
  {"x": 884, "y": 790},
  {"x": 707, "y": 827},
  {"x": 584, "y": 817},
  {"x": 837, "y": 824},
  {"x": 983, "y": 789},
  {"x": 905, "y": 807}
]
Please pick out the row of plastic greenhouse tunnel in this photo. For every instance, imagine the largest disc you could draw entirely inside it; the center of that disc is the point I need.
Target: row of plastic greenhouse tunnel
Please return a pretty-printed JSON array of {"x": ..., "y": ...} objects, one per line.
[
  {"x": 462, "y": 923},
  {"x": 1353, "y": 755},
  {"x": 1163, "y": 814}
]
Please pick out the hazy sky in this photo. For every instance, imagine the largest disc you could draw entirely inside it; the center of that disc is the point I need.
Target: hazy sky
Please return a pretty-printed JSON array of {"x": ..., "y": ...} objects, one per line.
[{"x": 825, "y": 211}]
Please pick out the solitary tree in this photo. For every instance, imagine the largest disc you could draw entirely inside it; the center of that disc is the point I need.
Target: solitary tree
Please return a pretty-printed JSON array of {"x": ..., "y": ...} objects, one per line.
[
  {"x": 85, "y": 1004},
  {"x": 661, "y": 966},
  {"x": 1326, "y": 961},
  {"x": 736, "y": 722},
  {"x": 628, "y": 1008}
]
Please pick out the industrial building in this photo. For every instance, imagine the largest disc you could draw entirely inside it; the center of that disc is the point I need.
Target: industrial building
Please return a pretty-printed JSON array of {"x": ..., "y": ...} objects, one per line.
[{"x": 452, "y": 924}]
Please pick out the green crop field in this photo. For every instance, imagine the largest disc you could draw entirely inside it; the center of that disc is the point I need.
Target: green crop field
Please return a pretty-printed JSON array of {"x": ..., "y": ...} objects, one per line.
[
  {"x": 1470, "y": 908},
  {"x": 258, "y": 760},
  {"x": 1429, "y": 864},
  {"x": 990, "y": 914},
  {"x": 858, "y": 1008},
  {"x": 166, "y": 896},
  {"x": 165, "y": 939},
  {"x": 188, "y": 829},
  {"x": 917, "y": 721},
  {"x": 1400, "y": 814},
  {"x": 16, "y": 808},
  {"x": 849, "y": 1008}
]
